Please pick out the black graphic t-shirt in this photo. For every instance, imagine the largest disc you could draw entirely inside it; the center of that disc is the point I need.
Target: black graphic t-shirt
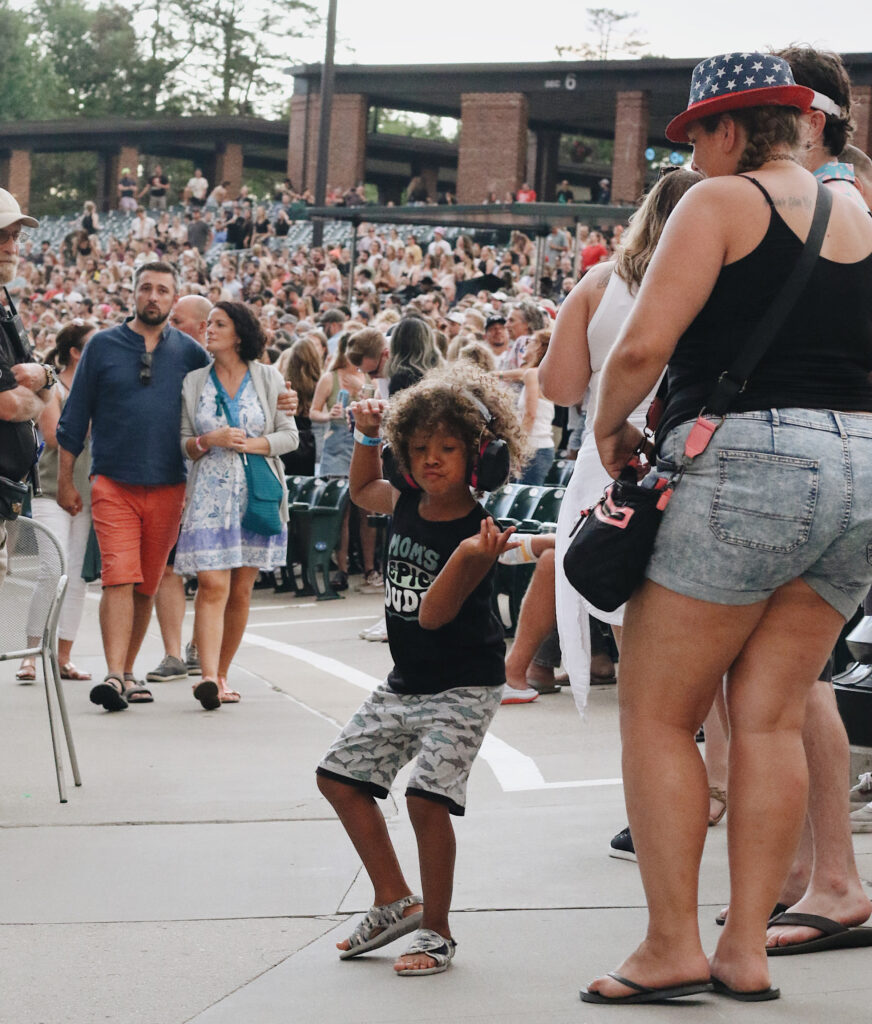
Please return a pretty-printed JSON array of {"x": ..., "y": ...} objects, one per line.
[{"x": 468, "y": 651}]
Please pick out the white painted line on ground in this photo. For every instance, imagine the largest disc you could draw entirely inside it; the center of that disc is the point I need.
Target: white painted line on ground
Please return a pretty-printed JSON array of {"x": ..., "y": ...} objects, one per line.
[
  {"x": 515, "y": 772},
  {"x": 519, "y": 773},
  {"x": 309, "y": 622},
  {"x": 320, "y": 661},
  {"x": 281, "y": 607}
]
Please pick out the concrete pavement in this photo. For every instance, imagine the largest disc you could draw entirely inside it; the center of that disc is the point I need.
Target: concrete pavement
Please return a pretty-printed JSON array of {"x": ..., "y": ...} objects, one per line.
[{"x": 198, "y": 876}]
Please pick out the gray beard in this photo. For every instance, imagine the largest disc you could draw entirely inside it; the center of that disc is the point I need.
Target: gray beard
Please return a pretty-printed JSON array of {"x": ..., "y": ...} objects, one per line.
[{"x": 8, "y": 272}]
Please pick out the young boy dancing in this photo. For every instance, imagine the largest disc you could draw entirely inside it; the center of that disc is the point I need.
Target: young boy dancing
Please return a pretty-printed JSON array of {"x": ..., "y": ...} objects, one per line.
[{"x": 450, "y": 432}]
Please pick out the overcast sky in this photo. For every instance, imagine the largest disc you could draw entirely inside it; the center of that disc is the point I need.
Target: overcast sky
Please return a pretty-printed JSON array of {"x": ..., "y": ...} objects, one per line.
[{"x": 405, "y": 32}]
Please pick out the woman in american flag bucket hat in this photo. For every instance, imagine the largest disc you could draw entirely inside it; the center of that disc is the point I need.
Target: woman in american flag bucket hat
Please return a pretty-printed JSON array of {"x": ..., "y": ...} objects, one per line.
[{"x": 763, "y": 551}]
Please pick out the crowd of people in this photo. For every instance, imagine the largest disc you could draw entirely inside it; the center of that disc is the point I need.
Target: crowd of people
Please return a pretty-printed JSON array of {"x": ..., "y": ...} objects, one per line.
[{"x": 251, "y": 359}]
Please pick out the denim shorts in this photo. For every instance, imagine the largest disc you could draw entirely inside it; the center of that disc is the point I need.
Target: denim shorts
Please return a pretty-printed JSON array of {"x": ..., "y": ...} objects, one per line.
[{"x": 778, "y": 495}]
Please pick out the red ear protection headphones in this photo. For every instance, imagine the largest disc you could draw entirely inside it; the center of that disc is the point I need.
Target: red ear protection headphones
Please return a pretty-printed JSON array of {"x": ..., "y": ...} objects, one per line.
[{"x": 488, "y": 471}]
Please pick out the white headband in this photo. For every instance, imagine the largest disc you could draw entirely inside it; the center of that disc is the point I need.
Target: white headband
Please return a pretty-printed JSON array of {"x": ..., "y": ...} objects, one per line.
[{"x": 825, "y": 104}]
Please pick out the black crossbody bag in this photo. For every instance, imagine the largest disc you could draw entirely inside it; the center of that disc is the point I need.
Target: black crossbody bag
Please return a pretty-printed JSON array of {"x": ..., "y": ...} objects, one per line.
[{"x": 613, "y": 540}]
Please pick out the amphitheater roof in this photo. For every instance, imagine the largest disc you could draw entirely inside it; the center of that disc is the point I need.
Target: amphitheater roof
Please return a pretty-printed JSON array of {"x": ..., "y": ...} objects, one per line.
[{"x": 570, "y": 96}]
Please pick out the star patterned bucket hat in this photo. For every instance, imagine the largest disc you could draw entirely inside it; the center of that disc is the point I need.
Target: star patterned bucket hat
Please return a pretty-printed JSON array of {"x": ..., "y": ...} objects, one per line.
[{"x": 733, "y": 80}]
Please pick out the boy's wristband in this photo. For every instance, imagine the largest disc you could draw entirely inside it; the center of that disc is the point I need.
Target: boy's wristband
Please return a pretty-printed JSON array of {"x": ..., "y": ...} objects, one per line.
[{"x": 365, "y": 439}]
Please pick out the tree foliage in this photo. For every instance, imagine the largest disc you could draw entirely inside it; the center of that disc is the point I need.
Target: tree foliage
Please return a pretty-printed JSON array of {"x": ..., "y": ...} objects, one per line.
[
  {"x": 610, "y": 41},
  {"x": 416, "y": 126},
  {"x": 235, "y": 50},
  {"x": 65, "y": 58},
  {"x": 21, "y": 83}
]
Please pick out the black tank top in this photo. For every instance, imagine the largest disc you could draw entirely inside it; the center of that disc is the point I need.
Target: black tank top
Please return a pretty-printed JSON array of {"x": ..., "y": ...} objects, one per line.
[{"x": 820, "y": 359}]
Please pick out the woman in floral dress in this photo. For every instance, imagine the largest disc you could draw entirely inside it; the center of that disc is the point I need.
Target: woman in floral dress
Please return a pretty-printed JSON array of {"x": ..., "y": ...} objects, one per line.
[{"x": 228, "y": 411}]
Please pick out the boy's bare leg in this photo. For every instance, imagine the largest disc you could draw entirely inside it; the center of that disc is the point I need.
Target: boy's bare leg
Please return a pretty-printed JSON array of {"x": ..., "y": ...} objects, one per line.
[
  {"x": 368, "y": 832},
  {"x": 436, "y": 853}
]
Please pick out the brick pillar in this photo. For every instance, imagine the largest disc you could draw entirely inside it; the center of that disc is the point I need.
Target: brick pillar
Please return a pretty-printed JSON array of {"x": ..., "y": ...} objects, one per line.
[
  {"x": 631, "y": 138},
  {"x": 228, "y": 166},
  {"x": 493, "y": 144},
  {"x": 861, "y": 108},
  {"x": 127, "y": 156},
  {"x": 15, "y": 175},
  {"x": 299, "y": 140},
  {"x": 346, "y": 157}
]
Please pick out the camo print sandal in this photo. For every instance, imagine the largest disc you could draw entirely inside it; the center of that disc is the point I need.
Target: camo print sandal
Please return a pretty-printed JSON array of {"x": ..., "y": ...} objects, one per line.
[
  {"x": 431, "y": 944},
  {"x": 382, "y": 925}
]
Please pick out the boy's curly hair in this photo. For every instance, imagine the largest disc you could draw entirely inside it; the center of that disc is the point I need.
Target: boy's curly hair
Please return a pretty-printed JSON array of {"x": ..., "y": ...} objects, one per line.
[{"x": 441, "y": 401}]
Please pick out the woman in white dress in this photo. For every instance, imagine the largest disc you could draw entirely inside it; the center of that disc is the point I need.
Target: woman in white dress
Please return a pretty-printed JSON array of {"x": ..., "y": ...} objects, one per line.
[{"x": 586, "y": 329}]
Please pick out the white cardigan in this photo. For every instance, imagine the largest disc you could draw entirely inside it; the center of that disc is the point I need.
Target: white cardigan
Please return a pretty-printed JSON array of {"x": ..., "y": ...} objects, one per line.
[{"x": 281, "y": 429}]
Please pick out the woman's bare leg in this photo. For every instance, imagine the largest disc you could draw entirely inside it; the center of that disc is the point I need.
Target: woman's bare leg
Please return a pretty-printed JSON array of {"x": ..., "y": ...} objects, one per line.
[
  {"x": 213, "y": 588},
  {"x": 767, "y": 690},
  {"x": 715, "y": 757},
  {"x": 235, "y": 616},
  {"x": 535, "y": 621},
  {"x": 674, "y": 654},
  {"x": 823, "y": 878}
]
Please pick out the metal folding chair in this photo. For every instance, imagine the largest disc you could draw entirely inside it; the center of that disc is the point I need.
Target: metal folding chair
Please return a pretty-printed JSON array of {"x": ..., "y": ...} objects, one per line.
[{"x": 30, "y": 603}]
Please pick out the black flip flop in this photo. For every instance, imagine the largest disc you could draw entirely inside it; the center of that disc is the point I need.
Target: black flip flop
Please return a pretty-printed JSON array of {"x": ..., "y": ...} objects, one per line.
[
  {"x": 646, "y": 994},
  {"x": 207, "y": 694},
  {"x": 835, "y": 935},
  {"x": 758, "y": 995},
  {"x": 109, "y": 697}
]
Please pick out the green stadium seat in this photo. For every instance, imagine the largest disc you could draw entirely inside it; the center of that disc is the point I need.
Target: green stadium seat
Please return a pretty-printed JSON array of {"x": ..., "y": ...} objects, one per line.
[
  {"x": 560, "y": 472},
  {"x": 498, "y": 503},
  {"x": 548, "y": 506},
  {"x": 313, "y": 534},
  {"x": 294, "y": 484}
]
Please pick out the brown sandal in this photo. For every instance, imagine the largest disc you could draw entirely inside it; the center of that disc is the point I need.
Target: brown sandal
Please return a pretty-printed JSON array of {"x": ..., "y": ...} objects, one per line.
[
  {"x": 27, "y": 673},
  {"x": 69, "y": 671},
  {"x": 716, "y": 793}
]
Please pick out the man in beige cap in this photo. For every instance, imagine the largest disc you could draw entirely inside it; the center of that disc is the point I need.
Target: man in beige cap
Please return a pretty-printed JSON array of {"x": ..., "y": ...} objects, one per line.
[{"x": 24, "y": 385}]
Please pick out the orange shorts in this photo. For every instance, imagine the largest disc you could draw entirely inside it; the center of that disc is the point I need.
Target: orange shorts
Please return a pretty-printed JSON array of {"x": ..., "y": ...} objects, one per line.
[{"x": 136, "y": 527}]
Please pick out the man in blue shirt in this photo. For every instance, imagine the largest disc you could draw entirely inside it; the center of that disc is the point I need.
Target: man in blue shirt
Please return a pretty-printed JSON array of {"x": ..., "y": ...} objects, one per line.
[{"x": 128, "y": 389}]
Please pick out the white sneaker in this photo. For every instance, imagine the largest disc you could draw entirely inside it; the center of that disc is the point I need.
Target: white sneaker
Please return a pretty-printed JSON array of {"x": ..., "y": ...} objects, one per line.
[
  {"x": 861, "y": 820},
  {"x": 373, "y": 583},
  {"x": 376, "y": 633},
  {"x": 862, "y": 792},
  {"x": 513, "y": 696}
]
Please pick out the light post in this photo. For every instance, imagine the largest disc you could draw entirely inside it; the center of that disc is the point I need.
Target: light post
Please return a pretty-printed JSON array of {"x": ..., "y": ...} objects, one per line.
[{"x": 327, "y": 77}]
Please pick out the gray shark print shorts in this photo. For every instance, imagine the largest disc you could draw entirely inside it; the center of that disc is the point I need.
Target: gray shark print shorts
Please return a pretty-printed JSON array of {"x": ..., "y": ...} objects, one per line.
[{"x": 442, "y": 732}]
